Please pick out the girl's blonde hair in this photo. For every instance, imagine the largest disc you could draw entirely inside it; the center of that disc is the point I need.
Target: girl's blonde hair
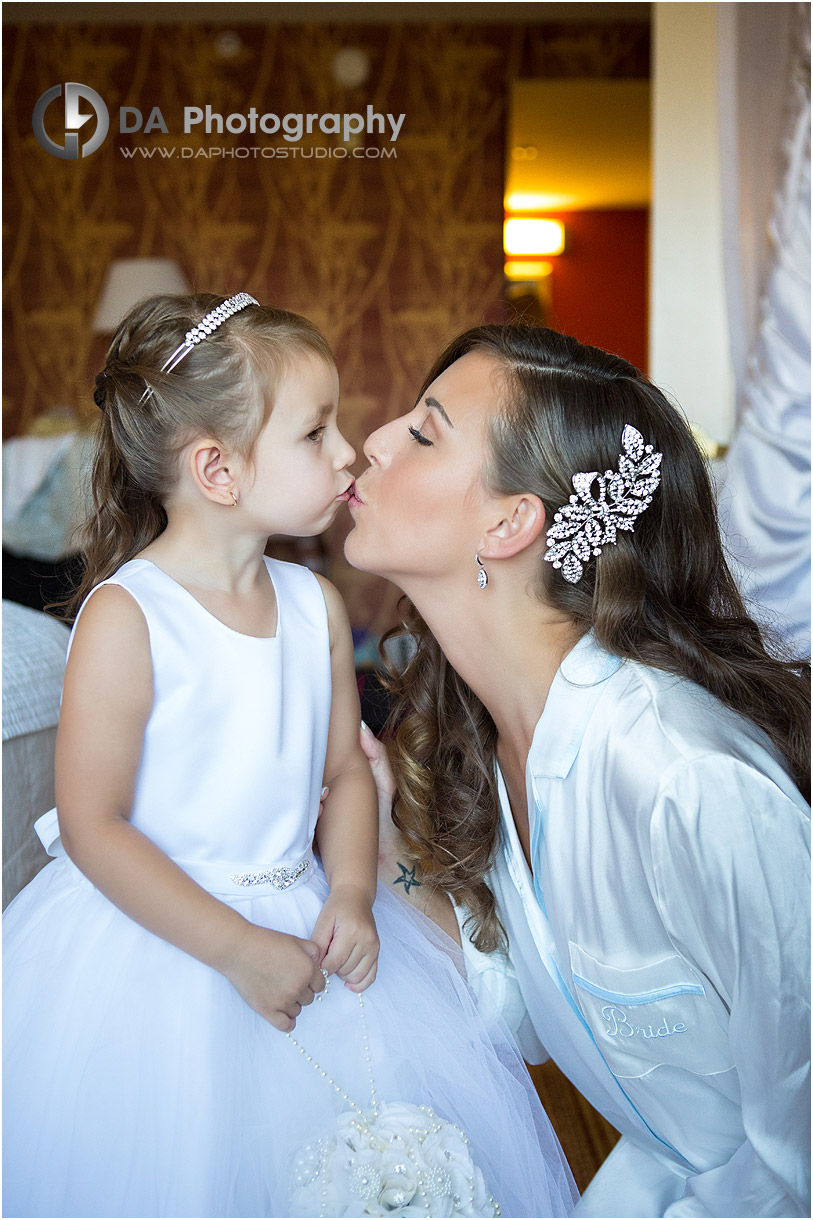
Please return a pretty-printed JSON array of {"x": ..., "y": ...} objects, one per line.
[{"x": 223, "y": 388}]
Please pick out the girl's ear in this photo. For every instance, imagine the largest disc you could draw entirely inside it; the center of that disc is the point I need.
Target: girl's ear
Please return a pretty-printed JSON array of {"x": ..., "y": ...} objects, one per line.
[
  {"x": 523, "y": 521},
  {"x": 211, "y": 473}
]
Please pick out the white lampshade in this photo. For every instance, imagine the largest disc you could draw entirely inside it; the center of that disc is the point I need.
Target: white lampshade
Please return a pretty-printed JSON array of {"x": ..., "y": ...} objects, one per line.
[{"x": 130, "y": 280}]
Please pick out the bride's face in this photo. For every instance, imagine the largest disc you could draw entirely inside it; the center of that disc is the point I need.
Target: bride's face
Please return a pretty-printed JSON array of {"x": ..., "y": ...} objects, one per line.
[{"x": 421, "y": 507}]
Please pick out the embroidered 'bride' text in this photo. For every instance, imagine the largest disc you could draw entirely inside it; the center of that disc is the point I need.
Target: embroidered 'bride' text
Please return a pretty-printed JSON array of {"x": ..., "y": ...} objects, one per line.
[{"x": 619, "y": 1026}]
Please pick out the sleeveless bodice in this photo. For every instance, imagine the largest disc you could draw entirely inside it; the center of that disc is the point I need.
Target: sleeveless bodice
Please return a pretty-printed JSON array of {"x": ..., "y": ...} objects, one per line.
[{"x": 234, "y": 749}]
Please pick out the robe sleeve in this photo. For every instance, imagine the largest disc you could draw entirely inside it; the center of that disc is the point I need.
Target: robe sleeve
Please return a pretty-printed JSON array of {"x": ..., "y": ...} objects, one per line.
[{"x": 494, "y": 982}]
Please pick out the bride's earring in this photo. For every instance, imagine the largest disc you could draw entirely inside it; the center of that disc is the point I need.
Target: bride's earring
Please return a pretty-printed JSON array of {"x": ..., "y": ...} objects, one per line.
[
  {"x": 482, "y": 575},
  {"x": 233, "y": 497}
]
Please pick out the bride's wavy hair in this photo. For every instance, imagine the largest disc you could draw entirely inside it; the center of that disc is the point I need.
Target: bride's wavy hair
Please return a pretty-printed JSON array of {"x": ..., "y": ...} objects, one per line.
[
  {"x": 223, "y": 388},
  {"x": 664, "y": 596}
]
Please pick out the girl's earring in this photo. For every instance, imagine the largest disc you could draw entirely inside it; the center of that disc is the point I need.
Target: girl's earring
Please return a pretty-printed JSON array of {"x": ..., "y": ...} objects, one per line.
[
  {"x": 482, "y": 575},
  {"x": 234, "y": 497}
]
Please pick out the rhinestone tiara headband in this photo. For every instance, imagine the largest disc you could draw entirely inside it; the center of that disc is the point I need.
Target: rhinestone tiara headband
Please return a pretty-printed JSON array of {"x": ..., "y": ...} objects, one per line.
[
  {"x": 207, "y": 325},
  {"x": 587, "y": 523}
]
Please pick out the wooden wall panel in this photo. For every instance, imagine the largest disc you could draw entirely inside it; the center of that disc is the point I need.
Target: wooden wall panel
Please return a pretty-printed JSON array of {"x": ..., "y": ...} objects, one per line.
[{"x": 390, "y": 257}]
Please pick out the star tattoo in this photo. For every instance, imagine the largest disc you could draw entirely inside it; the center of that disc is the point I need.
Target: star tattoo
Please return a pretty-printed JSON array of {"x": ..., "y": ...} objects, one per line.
[{"x": 407, "y": 877}]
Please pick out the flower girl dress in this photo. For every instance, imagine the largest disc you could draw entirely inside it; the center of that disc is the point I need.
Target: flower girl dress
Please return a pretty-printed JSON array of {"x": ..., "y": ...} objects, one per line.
[{"x": 137, "y": 1082}]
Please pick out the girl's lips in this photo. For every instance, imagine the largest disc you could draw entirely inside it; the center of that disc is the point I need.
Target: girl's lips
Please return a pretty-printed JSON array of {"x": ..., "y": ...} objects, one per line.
[{"x": 352, "y": 497}]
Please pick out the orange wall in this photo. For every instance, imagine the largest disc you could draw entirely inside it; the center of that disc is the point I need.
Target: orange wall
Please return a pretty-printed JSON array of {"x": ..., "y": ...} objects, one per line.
[{"x": 599, "y": 283}]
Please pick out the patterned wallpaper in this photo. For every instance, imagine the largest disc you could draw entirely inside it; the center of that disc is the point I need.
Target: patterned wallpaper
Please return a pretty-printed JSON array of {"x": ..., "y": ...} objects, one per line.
[{"x": 390, "y": 257}]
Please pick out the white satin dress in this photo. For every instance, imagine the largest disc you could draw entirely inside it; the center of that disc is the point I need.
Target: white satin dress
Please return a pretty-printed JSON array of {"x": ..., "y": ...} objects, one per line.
[{"x": 137, "y": 1082}]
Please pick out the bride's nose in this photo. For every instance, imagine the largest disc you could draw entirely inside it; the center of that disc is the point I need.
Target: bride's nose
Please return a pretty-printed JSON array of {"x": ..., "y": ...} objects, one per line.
[{"x": 375, "y": 448}]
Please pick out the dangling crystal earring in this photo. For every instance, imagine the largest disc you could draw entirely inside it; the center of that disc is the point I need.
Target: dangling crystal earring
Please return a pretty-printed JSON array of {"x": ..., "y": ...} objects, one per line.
[{"x": 482, "y": 575}]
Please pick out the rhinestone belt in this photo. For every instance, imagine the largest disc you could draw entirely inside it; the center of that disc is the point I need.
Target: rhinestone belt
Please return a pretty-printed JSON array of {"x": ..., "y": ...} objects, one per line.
[{"x": 281, "y": 877}]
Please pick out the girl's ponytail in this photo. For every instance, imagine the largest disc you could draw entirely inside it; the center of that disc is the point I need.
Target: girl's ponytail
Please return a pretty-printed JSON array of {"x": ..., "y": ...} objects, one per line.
[{"x": 124, "y": 518}]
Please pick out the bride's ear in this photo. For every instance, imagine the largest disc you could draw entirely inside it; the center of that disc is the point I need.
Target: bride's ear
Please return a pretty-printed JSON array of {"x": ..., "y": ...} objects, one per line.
[{"x": 523, "y": 522}]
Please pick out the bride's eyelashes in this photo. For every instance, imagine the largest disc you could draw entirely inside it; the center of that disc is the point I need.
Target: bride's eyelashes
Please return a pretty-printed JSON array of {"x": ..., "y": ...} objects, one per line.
[{"x": 419, "y": 436}]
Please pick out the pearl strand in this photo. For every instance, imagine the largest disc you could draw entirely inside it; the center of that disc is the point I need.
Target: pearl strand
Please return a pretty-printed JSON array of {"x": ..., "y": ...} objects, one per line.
[
  {"x": 368, "y": 1057},
  {"x": 432, "y": 1118}
]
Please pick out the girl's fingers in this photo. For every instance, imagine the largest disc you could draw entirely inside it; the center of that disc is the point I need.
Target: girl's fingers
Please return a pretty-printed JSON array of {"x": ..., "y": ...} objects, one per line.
[
  {"x": 321, "y": 938},
  {"x": 335, "y": 959},
  {"x": 306, "y": 996},
  {"x": 368, "y": 978},
  {"x": 360, "y": 968},
  {"x": 282, "y": 1022},
  {"x": 350, "y": 962}
]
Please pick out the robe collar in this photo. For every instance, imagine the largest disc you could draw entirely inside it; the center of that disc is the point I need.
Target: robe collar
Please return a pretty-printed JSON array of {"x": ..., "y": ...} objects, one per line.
[{"x": 579, "y": 684}]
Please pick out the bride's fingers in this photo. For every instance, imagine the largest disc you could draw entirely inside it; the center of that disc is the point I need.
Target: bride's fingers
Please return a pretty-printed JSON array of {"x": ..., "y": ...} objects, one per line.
[
  {"x": 370, "y": 744},
  {"x": 376, "y": 755}
]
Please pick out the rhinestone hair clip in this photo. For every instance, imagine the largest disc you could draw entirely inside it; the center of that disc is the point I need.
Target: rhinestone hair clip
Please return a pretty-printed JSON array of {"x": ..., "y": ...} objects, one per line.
[
  {"x": 587, "y": 523},
  {"x": 207, "y": 325}
]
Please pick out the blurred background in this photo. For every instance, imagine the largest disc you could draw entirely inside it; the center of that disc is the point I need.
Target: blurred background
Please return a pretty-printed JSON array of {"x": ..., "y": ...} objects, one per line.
[
  {"x": 637, "y": 175},
  {"x": 646, "y": 139}
]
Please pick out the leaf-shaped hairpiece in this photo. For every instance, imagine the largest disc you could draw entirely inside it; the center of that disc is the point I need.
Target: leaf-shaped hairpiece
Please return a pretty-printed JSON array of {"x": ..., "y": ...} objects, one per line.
[{"x": 589, "y": 522}]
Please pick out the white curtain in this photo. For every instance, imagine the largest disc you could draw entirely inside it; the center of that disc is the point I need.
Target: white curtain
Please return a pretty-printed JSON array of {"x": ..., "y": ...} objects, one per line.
[{"x": 765, "y": 138}]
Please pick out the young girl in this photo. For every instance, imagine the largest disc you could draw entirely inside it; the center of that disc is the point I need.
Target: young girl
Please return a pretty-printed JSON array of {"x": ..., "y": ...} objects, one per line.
[{"x": 153, "y": 970}]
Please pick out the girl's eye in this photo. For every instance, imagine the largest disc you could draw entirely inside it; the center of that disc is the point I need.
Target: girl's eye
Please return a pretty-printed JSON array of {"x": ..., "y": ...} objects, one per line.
[
  {"x": 316, "y": 436},
  {"x": 419, "y": 436}
]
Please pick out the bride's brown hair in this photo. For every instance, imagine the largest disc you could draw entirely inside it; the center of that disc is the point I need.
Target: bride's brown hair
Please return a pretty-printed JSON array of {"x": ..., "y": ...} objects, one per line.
[
  {"x": 664, "y": 596},
  {"x": 223, "y": 388}
]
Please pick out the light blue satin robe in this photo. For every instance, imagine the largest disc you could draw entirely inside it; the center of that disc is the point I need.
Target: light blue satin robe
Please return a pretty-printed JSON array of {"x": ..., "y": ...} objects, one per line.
[{"x": 662, "y": 944}]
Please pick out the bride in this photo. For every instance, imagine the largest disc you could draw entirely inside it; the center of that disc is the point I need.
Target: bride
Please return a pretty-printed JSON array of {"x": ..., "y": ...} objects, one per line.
[{"x": 599, "y": 760}]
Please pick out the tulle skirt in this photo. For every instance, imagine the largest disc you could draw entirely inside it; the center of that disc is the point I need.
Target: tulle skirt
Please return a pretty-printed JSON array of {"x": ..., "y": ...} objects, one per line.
[{"x": 137, "y": 1082}]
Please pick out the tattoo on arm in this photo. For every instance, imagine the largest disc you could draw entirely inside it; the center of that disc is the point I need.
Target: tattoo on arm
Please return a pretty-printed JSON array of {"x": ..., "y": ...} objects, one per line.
[{"x": 407, "y": 878}]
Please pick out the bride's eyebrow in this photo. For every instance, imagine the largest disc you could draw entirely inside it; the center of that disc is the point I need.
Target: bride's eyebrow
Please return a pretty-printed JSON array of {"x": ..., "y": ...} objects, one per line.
[{"x": 433, "y": 402}]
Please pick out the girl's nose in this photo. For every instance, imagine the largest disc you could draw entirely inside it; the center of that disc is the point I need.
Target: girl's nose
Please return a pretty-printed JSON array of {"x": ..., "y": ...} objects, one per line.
[{"x": 346, "y": 455}]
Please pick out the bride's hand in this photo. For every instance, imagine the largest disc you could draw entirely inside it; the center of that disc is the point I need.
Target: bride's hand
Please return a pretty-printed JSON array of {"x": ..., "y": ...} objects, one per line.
[
  {"x": 376, "y": 755},
  {"x": 390, "y": 840},
  {"x": 382, "y": 772},
  {"x": 396, "y": 867}
]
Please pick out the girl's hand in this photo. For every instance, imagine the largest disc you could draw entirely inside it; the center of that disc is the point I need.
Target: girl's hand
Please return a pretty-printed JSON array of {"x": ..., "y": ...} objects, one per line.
[
  {"x": 346, "y": 935},
  {"x": 276, "y": 974}
]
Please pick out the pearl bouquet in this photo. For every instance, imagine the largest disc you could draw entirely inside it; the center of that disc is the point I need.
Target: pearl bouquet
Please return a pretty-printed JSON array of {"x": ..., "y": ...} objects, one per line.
[{"x": 396, "y": 1159}]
